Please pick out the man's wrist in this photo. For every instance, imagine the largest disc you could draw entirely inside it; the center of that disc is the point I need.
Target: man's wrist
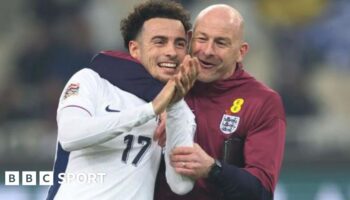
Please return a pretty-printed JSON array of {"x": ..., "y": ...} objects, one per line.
[{"x": 215, "y": 170}]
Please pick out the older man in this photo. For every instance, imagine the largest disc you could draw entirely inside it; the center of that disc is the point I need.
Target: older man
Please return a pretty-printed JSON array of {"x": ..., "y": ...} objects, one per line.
[{"x": 240, "y": 121}]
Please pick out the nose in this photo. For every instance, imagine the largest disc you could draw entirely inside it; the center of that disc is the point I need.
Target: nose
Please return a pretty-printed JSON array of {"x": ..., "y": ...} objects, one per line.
[
  {"x": 208, "y": 49},
  {"x": 171, "y": 51}
]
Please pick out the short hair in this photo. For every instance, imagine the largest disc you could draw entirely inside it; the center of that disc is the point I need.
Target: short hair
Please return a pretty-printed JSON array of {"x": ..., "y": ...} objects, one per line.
[{"x": 131, "y": 25}]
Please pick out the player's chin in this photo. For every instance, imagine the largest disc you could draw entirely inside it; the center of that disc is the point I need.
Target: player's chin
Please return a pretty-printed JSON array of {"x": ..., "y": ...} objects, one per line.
[
  {"x": 169, "y": 71},
  {"x": 164, "y": 77},
  {"x": 166, "y": 73}
]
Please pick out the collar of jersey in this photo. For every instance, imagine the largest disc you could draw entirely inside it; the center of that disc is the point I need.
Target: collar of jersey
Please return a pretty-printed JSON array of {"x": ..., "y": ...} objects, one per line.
[{"x": 126, "y": 73}]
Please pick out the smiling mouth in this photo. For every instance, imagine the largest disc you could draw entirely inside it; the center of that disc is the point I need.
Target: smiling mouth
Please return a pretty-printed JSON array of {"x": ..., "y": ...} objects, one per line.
[
  {"x": 205, "y": 64},
  {"x": 168, "y": 65}
]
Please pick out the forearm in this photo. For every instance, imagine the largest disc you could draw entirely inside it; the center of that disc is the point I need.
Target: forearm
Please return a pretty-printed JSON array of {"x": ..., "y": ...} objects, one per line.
[
  {"x": 180, "y": 125},
  {"x": 180, "y": 128},
  {"x": 78, "y": 130},
  {"x": 237, "y": 183}
]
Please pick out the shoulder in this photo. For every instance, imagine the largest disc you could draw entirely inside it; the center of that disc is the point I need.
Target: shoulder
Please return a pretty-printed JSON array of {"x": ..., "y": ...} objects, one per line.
[
  {"x": 259, "y": 90},
  {"x": 267, "y": 102},
  {"x": 84, "y": 81},
  {"x": 86, "y": 73},
  {"x": 267, "y": 94},
  {"x": 87, "y": 77},
  {"x": 271, "y": 104}
]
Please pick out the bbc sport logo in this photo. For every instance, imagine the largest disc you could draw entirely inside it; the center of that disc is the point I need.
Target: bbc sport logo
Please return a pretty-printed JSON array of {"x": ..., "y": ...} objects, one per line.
[{"x": 46, "y": 178}]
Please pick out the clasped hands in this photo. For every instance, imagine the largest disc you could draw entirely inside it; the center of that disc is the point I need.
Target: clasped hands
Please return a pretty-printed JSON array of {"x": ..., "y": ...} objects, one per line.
[
  {"x": 190, "y": 161},
  {"x": 178, "y": 86}
]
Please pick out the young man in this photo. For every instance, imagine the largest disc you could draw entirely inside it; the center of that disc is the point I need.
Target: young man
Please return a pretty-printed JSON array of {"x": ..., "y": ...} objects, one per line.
[
  {"x": 240, "y": 122},
  {"x": 107, "y": 113}
]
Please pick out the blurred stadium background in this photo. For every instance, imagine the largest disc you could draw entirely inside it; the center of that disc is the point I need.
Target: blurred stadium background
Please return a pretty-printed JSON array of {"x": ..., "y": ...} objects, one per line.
[{"x": 300, "y": 48}]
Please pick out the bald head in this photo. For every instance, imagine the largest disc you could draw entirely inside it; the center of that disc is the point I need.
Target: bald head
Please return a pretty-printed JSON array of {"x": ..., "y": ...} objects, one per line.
[
  {"x": 224, "y": 14},
  {"x": 217, "y": 42}
]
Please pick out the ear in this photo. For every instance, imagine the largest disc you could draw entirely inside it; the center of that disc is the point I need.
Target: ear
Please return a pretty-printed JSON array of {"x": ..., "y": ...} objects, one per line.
[
  {"x": 134, "y": 49},
  {"x": 243, "y": 50}
]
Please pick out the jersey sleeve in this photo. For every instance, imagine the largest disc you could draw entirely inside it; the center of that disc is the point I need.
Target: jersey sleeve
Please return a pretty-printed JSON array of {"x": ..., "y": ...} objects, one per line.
[
  {"x": 79, "y": 126},
  {"x": 180, "y": 129},
  {"x": 264, "y": 146},
  {"x": 81, "y": 91}
]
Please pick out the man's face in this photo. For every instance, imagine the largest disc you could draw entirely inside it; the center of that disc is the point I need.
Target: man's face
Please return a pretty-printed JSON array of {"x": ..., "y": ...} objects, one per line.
[
  {"x": 217, "y": 45},
  {"x": 160, "y": 47}
]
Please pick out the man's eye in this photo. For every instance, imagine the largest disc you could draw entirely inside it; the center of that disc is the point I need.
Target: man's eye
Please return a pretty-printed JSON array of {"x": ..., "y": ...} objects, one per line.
[
  {"x": 181, "y": 44},
  {"x": 201, "y": 39},
  {"x": 158, "y": 42},
  {"x": 221, "y": 43}
]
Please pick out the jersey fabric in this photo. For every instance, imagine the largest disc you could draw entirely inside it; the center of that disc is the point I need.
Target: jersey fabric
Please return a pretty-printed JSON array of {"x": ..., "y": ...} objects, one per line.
[
  {"x": 106, "y": 124},
  {"x": 240, "y": 108}
]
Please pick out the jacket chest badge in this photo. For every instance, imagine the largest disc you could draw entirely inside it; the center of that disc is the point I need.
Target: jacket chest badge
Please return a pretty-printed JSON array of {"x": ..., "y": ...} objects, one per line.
[{"x": 229, "y": 122}]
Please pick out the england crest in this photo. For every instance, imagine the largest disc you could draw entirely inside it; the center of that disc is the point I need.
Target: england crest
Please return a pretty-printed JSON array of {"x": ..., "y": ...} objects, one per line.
[{"x": 229, "y": 123}]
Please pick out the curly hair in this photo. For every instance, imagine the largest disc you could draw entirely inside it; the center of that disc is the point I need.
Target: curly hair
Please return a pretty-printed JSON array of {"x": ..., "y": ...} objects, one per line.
[{"x": 131, "y": 25}]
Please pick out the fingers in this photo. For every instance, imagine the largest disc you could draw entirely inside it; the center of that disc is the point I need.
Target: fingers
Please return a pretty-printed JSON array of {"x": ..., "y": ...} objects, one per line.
[
  {"x": 185, "y": 72},
  {"x": 187, "y": 75},
  {"x": 160, "y": 130},
  {"x": 180, "y": 87},
  {"x": 181, "y": 158},
  {"x": 191, "y": 161},
  {"x": 185, "y": 165},
  {"x": 196, "y": 146},
  {"x": 188, "y": 168},
  {"x": 160, "y": 133},
  {"x": 162, "y": 140},
  {"x": 186, "y": 172},
  {"x": 194, "y": 69},
  {"x": 182, "y": 154},
  {"x": 161, "y": 126},
  {"x": 182, "y": 150}
]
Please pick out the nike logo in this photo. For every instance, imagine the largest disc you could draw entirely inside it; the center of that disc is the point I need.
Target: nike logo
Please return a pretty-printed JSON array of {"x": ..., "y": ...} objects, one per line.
[{"x": 111, "y": 110}]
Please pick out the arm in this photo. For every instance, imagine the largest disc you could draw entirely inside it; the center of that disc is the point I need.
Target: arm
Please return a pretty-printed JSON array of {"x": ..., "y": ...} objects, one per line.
[
  {"x": 180, "y": 128},
  {"x": 237, "y": 183},
  {"x": 263, "y": 152},
  {"x": 180, "y": 125},
  {"x": 78, "y": 125},
  {"x": 77, "y": 129},
  {"x": 234, "y": 182},
  {"x": 259, "y": 176}
]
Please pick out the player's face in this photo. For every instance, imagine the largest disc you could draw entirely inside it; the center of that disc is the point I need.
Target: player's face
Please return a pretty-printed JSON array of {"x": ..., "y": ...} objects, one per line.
[
  {"x": 160, "y": 47},
  {"x": 217, "y": 46}
]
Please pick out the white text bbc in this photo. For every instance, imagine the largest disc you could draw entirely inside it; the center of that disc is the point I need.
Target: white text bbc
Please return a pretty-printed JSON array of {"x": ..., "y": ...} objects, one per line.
[{"x": 46, "y": 178}]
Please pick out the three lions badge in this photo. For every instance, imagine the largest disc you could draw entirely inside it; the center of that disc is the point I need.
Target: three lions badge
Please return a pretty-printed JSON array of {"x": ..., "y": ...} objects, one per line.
[{"x": 229, "y": 122}]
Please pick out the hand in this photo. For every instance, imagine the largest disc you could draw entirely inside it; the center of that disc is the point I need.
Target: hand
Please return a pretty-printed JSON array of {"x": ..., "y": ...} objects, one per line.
[
  {"x": 159, "y": 133},
  {"x": 162, "y": 100},
  {"x": 186, "y": 78},
  {"x": 191, "y": 161}
]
